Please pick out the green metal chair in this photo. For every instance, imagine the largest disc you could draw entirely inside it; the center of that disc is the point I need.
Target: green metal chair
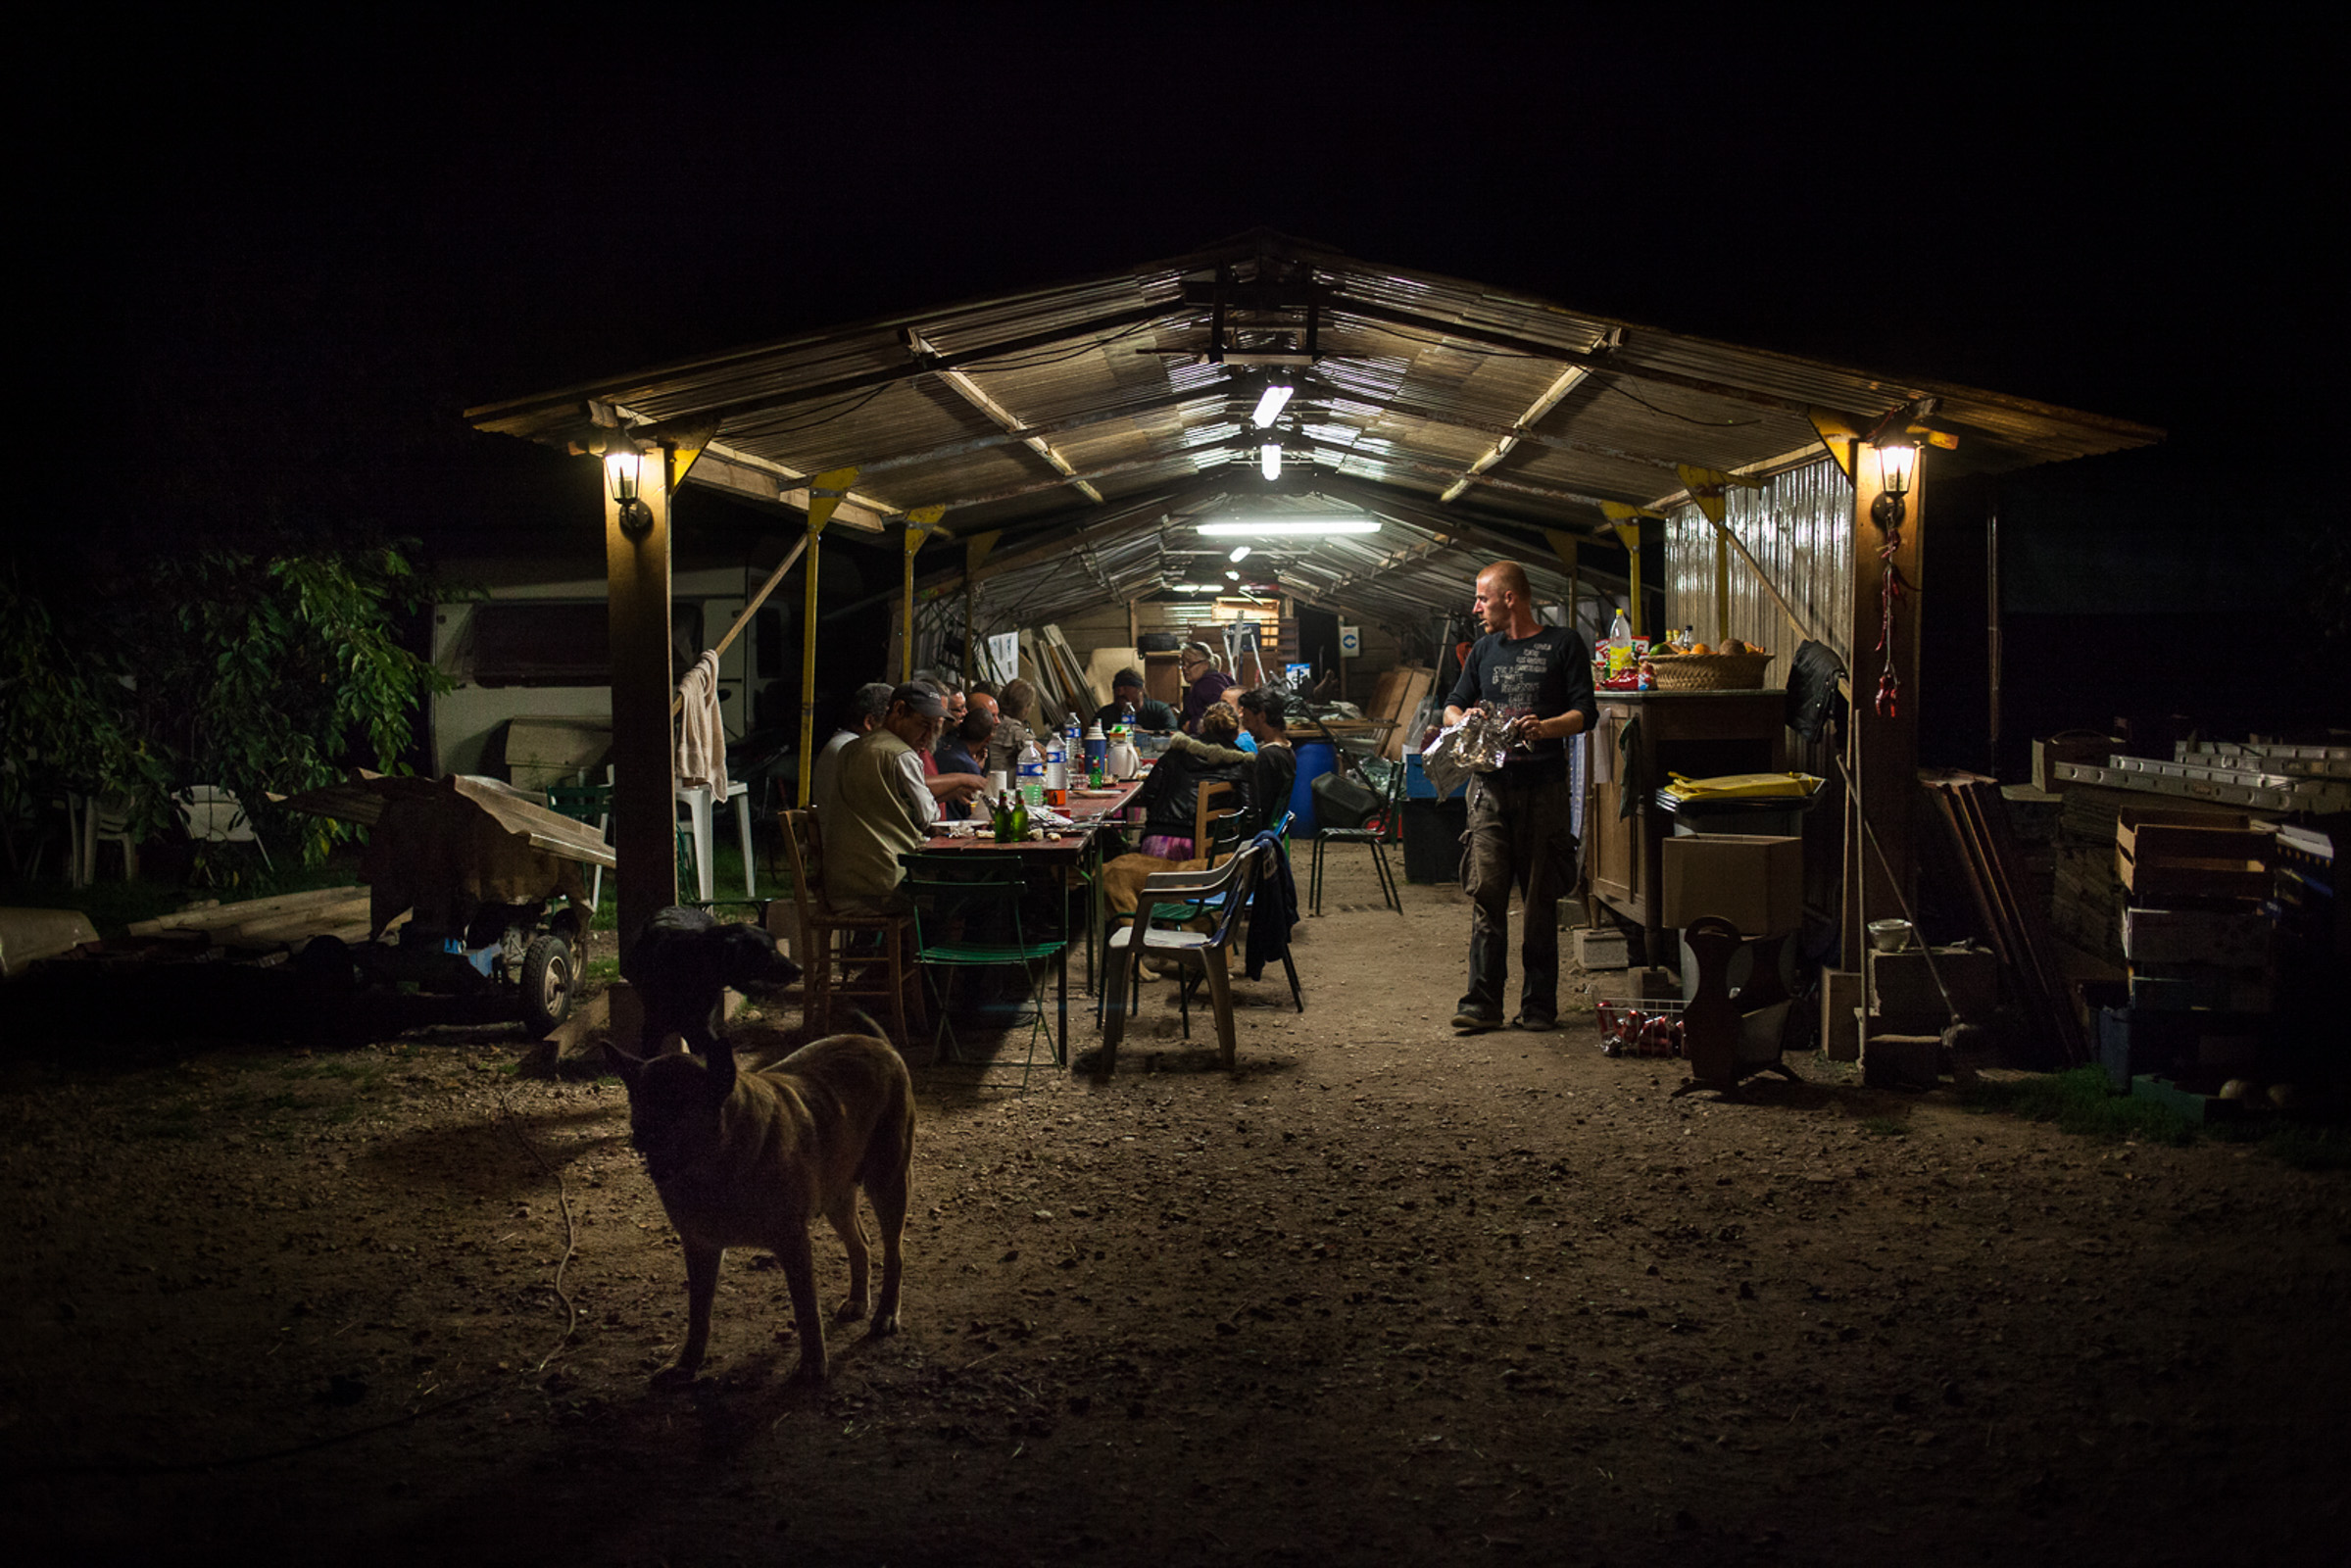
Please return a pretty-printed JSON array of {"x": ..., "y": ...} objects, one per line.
[
  {"x": 968, "y": 915},
  {"x": 583, "y": 801}
]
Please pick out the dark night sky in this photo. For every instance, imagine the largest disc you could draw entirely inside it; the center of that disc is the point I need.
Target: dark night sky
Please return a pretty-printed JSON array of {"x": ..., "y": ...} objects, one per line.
[{"x": 340, "y": 240}]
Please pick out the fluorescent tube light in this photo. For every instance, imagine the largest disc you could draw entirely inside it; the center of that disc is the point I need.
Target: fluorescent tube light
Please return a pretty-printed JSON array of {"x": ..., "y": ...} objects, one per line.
[
  {"x": 1269, "y": 459},
  {"x": 1268, "y": 528},
  {"x": 1269, "y": 406},
  {"x": 1240, "y": 554}
]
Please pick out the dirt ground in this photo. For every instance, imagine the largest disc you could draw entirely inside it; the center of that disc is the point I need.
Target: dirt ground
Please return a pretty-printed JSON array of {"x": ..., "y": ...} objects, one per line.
[{"x": 1384, "y": 1295}]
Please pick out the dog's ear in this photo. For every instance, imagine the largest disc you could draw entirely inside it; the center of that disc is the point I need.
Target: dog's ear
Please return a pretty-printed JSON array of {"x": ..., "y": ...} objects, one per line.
[
  {"x": 628, "y": 1066},
  {"x": 719, "y": 1071}
]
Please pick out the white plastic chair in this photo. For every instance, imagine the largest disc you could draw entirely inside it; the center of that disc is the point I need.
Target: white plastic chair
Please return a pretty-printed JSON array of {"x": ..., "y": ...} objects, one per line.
[
  {"x": 696, "y": 799},
  {"x": 104, "y": 819},
  {"x": 215, "y": 816}
]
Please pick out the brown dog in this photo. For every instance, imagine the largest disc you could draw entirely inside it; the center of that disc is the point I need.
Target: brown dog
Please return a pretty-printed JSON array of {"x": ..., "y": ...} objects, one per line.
[{"x": 752, "y": 1158}]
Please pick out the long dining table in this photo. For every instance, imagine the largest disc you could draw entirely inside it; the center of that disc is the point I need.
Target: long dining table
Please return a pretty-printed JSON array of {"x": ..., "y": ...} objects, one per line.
[{"x": 1096, "y": 816}]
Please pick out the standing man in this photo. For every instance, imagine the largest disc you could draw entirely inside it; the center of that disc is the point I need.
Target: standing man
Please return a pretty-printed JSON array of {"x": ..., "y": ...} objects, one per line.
[{"x": 1520, "y": 826}]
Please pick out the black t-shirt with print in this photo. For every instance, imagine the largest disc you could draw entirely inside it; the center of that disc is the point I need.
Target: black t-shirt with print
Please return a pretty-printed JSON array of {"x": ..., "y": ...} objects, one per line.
[{"x": 1544, "y": 675}]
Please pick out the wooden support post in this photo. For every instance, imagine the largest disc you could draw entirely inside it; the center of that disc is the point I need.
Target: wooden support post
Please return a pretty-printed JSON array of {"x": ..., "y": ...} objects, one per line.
[
  {"x": 1882, "y": 751},
  {"x": 910, "y": 540},
  {"x": 644, "y": 794}
]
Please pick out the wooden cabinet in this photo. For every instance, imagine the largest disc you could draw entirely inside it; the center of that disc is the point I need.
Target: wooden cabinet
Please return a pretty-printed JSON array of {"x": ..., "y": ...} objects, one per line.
[{"x": 1644, "y": 738}]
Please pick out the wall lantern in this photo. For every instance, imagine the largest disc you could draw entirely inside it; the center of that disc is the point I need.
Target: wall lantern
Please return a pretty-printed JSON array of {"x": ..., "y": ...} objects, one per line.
[
  {"x": 1897, "y": 460},
  {"x": 623, "y": 466}
]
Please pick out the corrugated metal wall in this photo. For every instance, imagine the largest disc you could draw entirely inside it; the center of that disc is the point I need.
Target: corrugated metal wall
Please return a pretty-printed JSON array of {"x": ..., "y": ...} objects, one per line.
[{"x": 1800, "y": 526}]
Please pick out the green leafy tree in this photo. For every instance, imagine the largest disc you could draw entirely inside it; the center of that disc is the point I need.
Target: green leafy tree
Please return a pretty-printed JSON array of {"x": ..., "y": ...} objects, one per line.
[{"x": 262, "y": 670}]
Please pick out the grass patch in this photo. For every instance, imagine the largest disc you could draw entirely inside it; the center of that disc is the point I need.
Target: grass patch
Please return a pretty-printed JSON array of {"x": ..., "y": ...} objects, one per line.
[
  {"x": 2080, "y": 1102},
  {"x": 604, "y": 970},
  {"x": 1885, "y": 1126},
  {"x": 2312, "y": 1147}
]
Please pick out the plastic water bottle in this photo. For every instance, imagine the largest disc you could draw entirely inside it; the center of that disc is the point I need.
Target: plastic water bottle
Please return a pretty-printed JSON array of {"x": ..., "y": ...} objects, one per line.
[
  {"x": 1617, "y": 650},
  {"x": 1056, "y": 770},
  {"x": 1032, "y": 773}
]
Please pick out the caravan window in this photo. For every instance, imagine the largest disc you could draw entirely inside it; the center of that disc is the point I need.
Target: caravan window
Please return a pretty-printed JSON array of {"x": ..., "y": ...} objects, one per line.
[{"x": 548, "y": 643}]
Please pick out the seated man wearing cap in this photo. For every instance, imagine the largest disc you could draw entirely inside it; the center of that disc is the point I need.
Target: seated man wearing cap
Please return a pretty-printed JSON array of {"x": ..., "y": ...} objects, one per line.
[
  {"x": 883, "y": 806},
  {"x": 1128, "y": 706}
]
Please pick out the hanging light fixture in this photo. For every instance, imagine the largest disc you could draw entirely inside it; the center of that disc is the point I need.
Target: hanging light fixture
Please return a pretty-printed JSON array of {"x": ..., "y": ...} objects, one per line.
[
  {"x": 1265, "y": 527},
  {"x": 1270, "y": 403}
]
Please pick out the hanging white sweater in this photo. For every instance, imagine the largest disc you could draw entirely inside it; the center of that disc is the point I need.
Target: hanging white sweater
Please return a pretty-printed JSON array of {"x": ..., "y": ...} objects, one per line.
[{"x": 701, "y": 731}]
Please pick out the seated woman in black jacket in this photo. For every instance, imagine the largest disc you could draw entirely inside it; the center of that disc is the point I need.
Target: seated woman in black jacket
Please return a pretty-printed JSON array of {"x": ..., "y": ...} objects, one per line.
[{"x": 1170, "y": 796}]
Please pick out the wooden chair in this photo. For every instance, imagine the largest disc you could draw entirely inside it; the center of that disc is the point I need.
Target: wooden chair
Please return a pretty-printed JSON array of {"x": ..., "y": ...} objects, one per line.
[
  {"x": 1226, "y": 886},
  {"x": 829, "y": 965}
]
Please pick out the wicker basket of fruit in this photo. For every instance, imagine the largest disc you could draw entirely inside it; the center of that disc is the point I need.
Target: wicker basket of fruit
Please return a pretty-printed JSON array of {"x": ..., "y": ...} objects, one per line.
[{"x": 1738, "y": 667}]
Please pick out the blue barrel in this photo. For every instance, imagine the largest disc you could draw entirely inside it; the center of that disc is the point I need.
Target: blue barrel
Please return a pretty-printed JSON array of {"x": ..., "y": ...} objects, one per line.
[{"x": 1314, "y": 760}]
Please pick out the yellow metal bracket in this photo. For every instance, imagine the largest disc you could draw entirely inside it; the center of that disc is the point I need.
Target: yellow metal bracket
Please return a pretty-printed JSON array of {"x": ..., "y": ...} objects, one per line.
[
  {"x": 826, "y": 494},
  {"x": 919, "y": 526},
  {"x": 1629, "y": 535}
]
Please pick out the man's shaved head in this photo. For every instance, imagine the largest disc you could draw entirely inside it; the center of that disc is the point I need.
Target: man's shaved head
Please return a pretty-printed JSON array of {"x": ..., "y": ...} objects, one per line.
[
  {"x": 1509, "y": 575},
  {"x": 1501, "y": 589}
]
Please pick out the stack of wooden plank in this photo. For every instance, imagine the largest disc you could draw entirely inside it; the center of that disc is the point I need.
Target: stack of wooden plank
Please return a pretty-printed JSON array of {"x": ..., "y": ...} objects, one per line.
[
  {"x": 280, "y": 923},
  {"x": 1975, "y": 820},
  {"x": 2086, "y": 902},
  {"x": 1395, "y": 697},
  {"x": 1060, "y": 676}
]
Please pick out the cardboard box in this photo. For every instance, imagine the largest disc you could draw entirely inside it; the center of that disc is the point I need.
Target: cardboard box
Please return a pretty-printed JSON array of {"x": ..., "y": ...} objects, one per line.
[{"x": 1753, "y": 880}]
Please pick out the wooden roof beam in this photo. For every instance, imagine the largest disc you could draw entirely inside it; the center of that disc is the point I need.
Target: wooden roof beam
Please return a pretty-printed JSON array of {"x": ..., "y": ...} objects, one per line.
[
  {"x": 1567, "y": 382},
  {"x": 964, "y": 387}
]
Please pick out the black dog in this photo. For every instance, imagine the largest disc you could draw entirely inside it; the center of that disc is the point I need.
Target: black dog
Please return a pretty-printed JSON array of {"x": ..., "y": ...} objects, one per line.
[{"x": 682, "y": 964}]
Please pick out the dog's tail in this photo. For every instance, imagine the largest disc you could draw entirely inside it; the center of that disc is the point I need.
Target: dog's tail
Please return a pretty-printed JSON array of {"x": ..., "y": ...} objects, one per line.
[{"x": 873, "y": 1024}]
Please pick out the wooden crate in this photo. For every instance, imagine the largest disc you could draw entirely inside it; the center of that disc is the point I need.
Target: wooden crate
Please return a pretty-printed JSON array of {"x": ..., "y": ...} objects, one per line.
[{"x": 2165, "y": 855}]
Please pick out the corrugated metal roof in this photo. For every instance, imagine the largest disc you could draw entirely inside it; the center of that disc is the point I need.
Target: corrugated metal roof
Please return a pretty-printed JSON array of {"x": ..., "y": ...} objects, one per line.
[{"x": 1140, "y": 383}]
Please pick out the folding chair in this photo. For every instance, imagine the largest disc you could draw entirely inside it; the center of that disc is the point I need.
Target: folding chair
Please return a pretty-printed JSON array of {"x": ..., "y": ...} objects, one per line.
[
  {"x": 967, "y": 915},
  {"x": 1381, "y": 831},
  {"x": 829, "y": 966},
  {"x": 1228, "y": 887}
]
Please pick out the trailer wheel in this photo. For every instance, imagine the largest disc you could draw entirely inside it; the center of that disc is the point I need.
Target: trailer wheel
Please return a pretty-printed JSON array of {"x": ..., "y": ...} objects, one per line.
[
  {"x": 547, "y": 986},
  {"x": 326, "y": 963}
]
